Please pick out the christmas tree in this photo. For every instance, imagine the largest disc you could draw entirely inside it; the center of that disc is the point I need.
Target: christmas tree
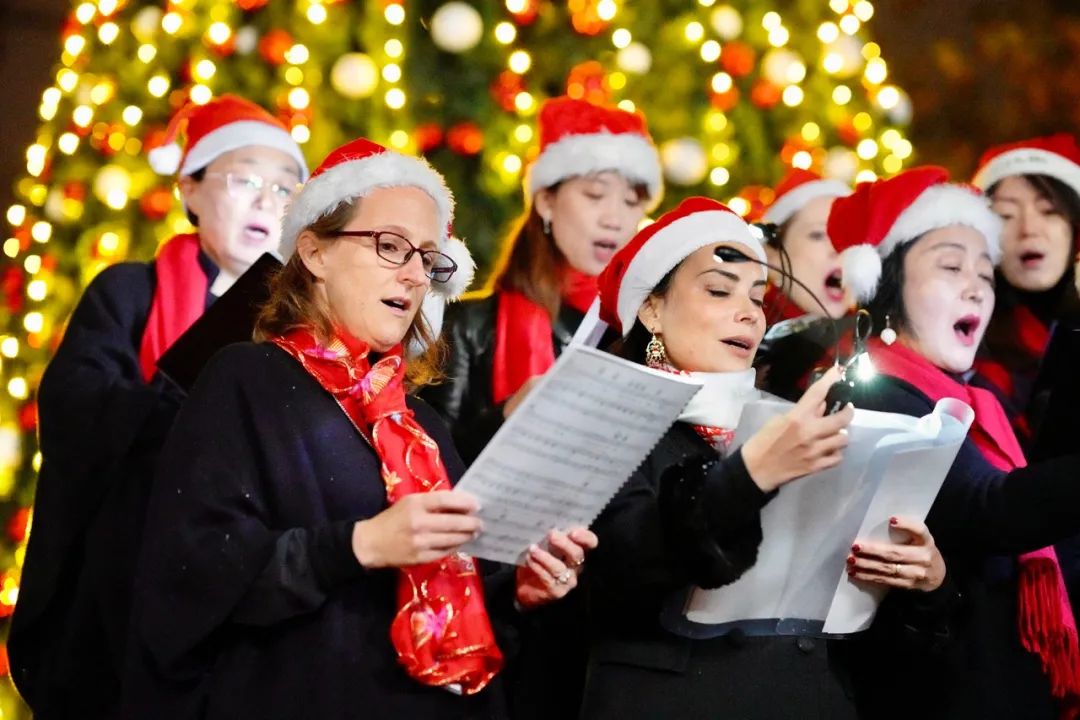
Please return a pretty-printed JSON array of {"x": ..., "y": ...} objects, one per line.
[{"x": 734, "y": 93}]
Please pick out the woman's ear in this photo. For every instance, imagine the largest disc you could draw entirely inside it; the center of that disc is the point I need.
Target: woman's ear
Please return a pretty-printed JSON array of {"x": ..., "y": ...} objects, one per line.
[
  {"x": 649, "y": 315},
  {"x": 188, "y": 187},
  {"x": 544, "y": 203},
  {"x": 312, "y": 252}
]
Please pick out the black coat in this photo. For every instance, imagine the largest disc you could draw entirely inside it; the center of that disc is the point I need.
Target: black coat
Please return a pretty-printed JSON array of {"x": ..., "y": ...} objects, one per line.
[
  {"x": 981, "y": 519},
  {"x": 102, "y": 426},
  {"x": 249, "y": 601}
]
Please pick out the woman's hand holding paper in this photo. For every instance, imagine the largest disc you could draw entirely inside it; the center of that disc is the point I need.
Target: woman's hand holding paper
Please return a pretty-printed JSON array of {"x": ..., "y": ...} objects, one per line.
[{"x": 914, "y": 564}]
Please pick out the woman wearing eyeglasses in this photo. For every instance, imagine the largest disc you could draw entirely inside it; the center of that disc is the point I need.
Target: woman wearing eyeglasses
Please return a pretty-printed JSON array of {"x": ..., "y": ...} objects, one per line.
[
  {"x": 302, "y": 553},
  {"x": 105, "y": 410}
]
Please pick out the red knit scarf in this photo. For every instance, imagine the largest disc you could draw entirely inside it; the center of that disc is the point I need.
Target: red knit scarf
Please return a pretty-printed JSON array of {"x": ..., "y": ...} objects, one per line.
[
  {"x": 441, "y": 631},
  {"x": 1046, "y": 624},
  {"x": 179, "y": 299},
  {"x": 523, "y": 343}
]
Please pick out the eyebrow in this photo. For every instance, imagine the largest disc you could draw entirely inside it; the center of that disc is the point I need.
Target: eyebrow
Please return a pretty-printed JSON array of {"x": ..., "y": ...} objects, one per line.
[
  {"x": 290, "y": 169},
  {"x": 425, "y": 245},
  {"x": 946, "y": 245},
  {"x": 731, "y": 276}
]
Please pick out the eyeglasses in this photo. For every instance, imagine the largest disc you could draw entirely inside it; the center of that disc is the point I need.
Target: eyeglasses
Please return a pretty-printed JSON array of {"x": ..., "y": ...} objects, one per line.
[
  {"x": 393, "y": 248},
  {"x": 248, "y": 187}
]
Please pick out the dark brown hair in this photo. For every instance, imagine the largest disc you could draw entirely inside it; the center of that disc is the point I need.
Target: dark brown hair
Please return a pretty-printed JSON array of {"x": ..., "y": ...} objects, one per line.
[{"x": 293, "y": 304}]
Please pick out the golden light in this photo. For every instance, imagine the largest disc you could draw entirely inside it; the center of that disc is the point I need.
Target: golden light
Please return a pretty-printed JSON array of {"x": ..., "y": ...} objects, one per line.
[
  {"x": 771, "y": 20},
  {"x": 74, "y": 44},
  {"x": 841, "y": 95},
  {"x": 41, "y": 231},
  {"x": 171, "y": 22},
  {"x": 827, "y": 32},
  {"x": 200, "y": 94},
  {"x": 863, "y": 10},
  {"x": 17, "y": 388},
  {"x": 892, "y": 164},
  {"x": 391, "y": 72},
  {"x": 796, "y": 72},
  {"x": 11, "y": 247},
  {"x": 132, "y": 114},
  {"x": 205, "y": 69},
  {"x": 16, "y": 215},
  {"x": 35, "y": 159},
  {"x": 67, "y": 79},
  {"x": 301, "y": 133},
  {"x": 393, "y": 48},
  {"x": 833, "y": 62},
  {"x": 523, "y": 133},
  {"x": 146, "y": 53},
  {"x": 524, "y": 102},
  {"x": 34, "y": 322},
  {"x": 395, "y": 98},
  {"x": 867, "y": 149},
  {"x": 108, "y": 243},
  {"x": 778, "y": 37},
  {"x": 888, "y": 97},
  {"x": 721, "y": 82},
  {"x": 399, "y": 139},
  {"x": 862, "y": 122},
  {"x": 38, "y": 194},
  {"x": 739, "y": 205},
  {"x": 876, "y": 71},
  {"x": 294, "y": 75},
  {"x": 621, "y": 38},
  {"x": 116, "y": 199},
  {"x": 694, "y": 31},
  {"x": 811, "y": 132},
  {"x": 516, "y": 6},
  {"x": 719, "y": 176},
  {"x": 505, "y": 33},
  {"x": 890, "y": 137},
  {"x": 710, "y": 51},
  {"x": 627, "y": 105},
  {"x": 298, "y": 54},
  {"x": 108, "y": 33},
  {"x": 850, "y": 24},
  {"x": 102, "y": 92},
  {"x": 47, "y": 112},
  {"x": 316, "y": 14},
  {"x": 716, "y": 121},
  {"x": 82, "y": 115},
  {"x": 158, "y": 85},
  {"x": 865, "y": 176},
  {"x": 519, "y": 61},
  {"x": 617, "y": 80},
  {"x": 85, "y": 12},
  {"x": 802, "y": 160},
  {"x": 721, "y": 152},
  {"x": 107, "y": 7},
  {"x": 871, "y": 50},
  {"x": 706, "y": 3},
  {"x": 838, "y": 6},
  {"x": 36, "y": 290},
  {"x": 511, "y": 164},
  {"x": 9, "y": 346},
  {"x": 219, "y": 33},
  {"x": 902, "y": 149},
  {"x": 394, "y": 14},
  {"x": 51, "y": 96},
  {"x": 606, "y": 10},
  {"x": 793, "y": 95}
]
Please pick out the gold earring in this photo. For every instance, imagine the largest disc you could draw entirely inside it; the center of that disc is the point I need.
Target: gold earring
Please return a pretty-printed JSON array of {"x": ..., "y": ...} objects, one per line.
[{"x": 656, "y": 353}]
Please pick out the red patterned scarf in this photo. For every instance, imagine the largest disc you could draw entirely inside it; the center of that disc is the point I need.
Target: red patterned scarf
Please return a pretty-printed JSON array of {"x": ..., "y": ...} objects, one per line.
[
  {"x": 179, "y": 299},
  {"x": 523, "y": 343},
  {"x": 1046, "y": 623},
  {"x": 441, "y": 631}
]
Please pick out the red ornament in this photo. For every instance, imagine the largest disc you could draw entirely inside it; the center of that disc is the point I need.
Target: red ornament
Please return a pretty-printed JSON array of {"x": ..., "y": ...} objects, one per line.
[
  {"x": 764, "y": 94},
  {"x": 585, "y": 17},
  {"x": 28, "y": 416},
  {"x": 12, "y": 284},
  {"x": 427, "y": 137},
  {"x": 75, "y": 190},
  {"x": 505, "y": 88},
  {"x": 737, "y": 59},
  {"x": 587, "y": 81},
  {"x": 726, "y": 100},
  {"x": 156, "y": 203},
  {"x": 527, "y": 15},
  {"x": 250, "y": 5},
  {"x": 465, "y": 138},
  {"x": 273, "y": 46}
]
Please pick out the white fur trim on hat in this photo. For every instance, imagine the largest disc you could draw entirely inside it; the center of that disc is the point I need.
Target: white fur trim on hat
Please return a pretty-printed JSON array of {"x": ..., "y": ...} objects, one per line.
[
  {"x": 234, "y": 136},
  {"x": 940, "y": 206},
  {"x": 1028, "y": 161},
  {"x": 861, "y": 271},
  {"x": 669, "y": 247},
  {"x": 459, "y": 282},
  {"x": 795, "y": 200},
  {"x": 629, "y": 154}
]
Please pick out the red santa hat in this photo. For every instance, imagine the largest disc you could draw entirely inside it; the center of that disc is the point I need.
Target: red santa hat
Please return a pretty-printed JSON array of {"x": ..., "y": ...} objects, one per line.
[
  {"x": 353, "y": 171},
  {"x": 222, "y": 125},
  {"x": 1056, "y": 156},
  {"x": 868, "y": 225},
  {"x": 658, "y": 248},
  {"x": 578, "y": 138},
  {"x": 797, "y": 189}
]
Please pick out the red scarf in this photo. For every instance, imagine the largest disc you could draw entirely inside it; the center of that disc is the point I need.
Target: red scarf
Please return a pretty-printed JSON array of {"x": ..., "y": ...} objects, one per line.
[
  {"x": 179, "y": 299},
  {"x": 441, "y": 631},
  {"x": 523, "y": 343},
  {"x": 780, "y": 307},
  {"x": 1046, "y": 624}
]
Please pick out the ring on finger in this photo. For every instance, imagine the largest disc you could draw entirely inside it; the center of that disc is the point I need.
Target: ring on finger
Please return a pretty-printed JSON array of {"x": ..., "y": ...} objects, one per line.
[
  {"x": 896, "y": 569},
  {"x": 563, "y": 578}
]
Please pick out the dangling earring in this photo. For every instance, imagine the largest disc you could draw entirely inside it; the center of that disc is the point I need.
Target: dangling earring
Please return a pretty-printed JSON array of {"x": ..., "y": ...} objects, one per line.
[
  {"x": 888, "y": 335},
  {"x": 656, "y": 353},
  {"x": 546, "y": 225}
]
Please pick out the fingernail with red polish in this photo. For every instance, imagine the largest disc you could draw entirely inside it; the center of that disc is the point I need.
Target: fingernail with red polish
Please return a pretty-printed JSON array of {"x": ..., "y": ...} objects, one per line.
[
  {"x": 855, "y": 548},
  {"x": 851, "y": 560},
  {"x": 892, "y": 521}
]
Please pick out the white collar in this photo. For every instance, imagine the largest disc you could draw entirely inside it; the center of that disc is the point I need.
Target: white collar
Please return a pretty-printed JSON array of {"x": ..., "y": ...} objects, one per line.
[{"x": 720, "y": 400}]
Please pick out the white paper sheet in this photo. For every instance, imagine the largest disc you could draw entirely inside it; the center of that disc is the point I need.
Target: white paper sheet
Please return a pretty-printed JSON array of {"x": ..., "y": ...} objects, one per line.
[
  {"x": 894, "y": 464},
  {"x": 569, "y": 447}
]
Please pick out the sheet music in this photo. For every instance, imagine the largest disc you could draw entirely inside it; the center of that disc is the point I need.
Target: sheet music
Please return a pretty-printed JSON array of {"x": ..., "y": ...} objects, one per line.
[
  {"x": 569, "y": 447},
  {"x": 894, "y": 464}
]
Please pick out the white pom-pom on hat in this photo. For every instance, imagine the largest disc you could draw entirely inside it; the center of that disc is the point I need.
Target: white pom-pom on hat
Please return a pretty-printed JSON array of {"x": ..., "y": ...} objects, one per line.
[
  {"x": 861, "y": 271},
  {"x": 165, "y": 160}
]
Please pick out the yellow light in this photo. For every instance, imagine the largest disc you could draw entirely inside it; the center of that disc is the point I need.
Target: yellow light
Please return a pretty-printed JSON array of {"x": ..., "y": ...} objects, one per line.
[
  {"x": 47, "y": 112},
  {"x": 108, "y": 243},
  {"x": 219, "y": 33},
  {"x": 9, "y": 346},
  {"x": 838, "y": 6},
  {"x": 505, "y": 33},
  {"x": 36, "y": 290},
  {"x": 391, "y": 72},
  {"x": 841, "y": 95},
  {"x": 316, "y": 14},
  {"x": 902, "y": 149},
  {"x": 82, "y": 115},
  {"x": 107, "y": 7},
  {"x": 395, "y": 97},
  {"x": 133, "y": 146},
  {"x": 721, "y": 152},
  {"x": 771, "y": 20},
  {"x": 621, "y": 38},
  {"x": 865, "y": 176},
  {"x": 102, "y": 92},
  {"x": 37, "y": 468},
  {"x": 719, "y": 176},
  {"x": 34, "y": 322},
  {"x": 793, "y": 95},
  {"x": 516, "y": 6},
  {"x": 201, "y": 94},
  {"x": 17, "y": 388},
  {"x": 132, "y": 114},
  {"x": 299, "y": 98},
  {"x": 146, "y": 53},
  {"x": 627, "y": 105},
  {"x": 523, "y": 133},
  {"x": 394, "y": 14},
  {"x": 811, "y": 132},
  {"x": 38, "y": 194},
  {"x": 876, "y": 72},
  {"x": 606, "y": 10},
  {"x": 706, "y": 3},
  {"x": 67, "y": 80},
  {"x": 827, "y": 32},
  {"x": 511, "y": 164},
  {"x": 519, "y": 61},
  {"x": 871, "y": 50},
  {"x": 524, "y": 102},
  {"x": 694, "y": 31},
  {"x": 171, "y": 22},
  {"x": 298, "y": 54},
  {"x": 890, "y": 137},
  {"x": 11, "y": 247},
  {"x": 399, "y": 139},
  {"x": 892, "y": 164},
  {"x": 721, "y": 82},
  {"x": 863, "y": 10},
  {"x": 51, "y": 96},
  {"x": 16, "y": 215},
  {"x": 710, "y": 51},
  {"x": 35, "y": 159},
  {"x": 802, "y": 160},
  {"x": 867, "y": 149},
  {"x": 85, "y": 12},
  {"x": 158, "y": 85},
  {"x": 394, "y": 49},
  {"x": 832, "y": 62},
  {"x": 205, "y": 69},
  {"x": 716, "y": 121},
  {"x": 74, "y": 44},
  {"x": 116, "y": 199},
  {"x": 739, "y": 205},
  {"x": 41, "y": 231},
  {"x": 796, "y": 72},
  {"x": 108, "y": 32},
  {"x": 888, "y": 97},
  {"x": 779, "y": 37},
  {"x": 849, "y": 24}
]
